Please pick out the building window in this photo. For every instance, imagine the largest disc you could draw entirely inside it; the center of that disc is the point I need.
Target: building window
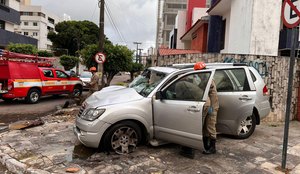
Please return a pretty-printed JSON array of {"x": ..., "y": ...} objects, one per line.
[
  {"x": 34, "y": 34},
  {"x": 171, "y": 19},
  {"x": 35, "y": 24},
  {"x": 25, "y": 13},
  {"x": 2, "y": 25},
  {"x": 25, "y": 33},
  {"x": 51, "y": 21},
  {"x": 42, "y": 14},
  {"x": 25, "y": 23}
]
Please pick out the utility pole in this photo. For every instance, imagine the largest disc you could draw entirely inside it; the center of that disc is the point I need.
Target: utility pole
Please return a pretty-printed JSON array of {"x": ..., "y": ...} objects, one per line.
[
  {"x": 101, "y": 39},
  {"x": 140, "y": 53},
  {"x": 137, "y": 49}
]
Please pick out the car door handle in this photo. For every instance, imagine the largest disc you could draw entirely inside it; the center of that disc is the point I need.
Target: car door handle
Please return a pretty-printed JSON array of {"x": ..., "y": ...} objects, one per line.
[
  {"x": 193, "y": 109},
  {"x": 245, "y": 98}
]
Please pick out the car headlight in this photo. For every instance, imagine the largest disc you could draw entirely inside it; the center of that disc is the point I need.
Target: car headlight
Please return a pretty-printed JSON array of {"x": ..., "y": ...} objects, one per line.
[{"x": 92, "y": 114}]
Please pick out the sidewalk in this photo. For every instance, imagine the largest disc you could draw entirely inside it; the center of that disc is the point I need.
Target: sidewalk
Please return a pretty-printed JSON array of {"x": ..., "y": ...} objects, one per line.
[{"x": 53, "y": 148}]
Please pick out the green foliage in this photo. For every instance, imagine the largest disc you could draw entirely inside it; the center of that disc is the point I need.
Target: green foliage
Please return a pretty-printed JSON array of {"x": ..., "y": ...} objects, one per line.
[
  {"x": 118, "y": 58},
  {"x": 43, "y": 53},
  {"x": 68, "y": 62},
  {"x": 136, "y": 67},
  {"x": 22, "y": 48},
  {"x": 74, "y": 35},
  {"x": 88, "y": 55}
]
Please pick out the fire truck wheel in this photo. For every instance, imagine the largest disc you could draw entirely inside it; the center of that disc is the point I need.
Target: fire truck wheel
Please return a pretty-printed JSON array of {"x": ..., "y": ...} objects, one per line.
[
  {"x": 77, "y": 91},
  {"x": 33, "y": 96}
]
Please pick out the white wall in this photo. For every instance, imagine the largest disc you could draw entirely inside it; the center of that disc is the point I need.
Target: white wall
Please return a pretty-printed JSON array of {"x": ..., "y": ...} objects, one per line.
[
  {"x": 198, "y": 13},
  {"x": 239, "y": 35},
  {"x": 13, "y": 4},
  {"x": 265, "y": 27},
  {"x": 9, "y": 27},
  {"x": 181, "y": 20}
]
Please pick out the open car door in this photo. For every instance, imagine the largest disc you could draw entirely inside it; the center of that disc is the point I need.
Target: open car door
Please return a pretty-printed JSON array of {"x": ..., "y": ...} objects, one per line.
[{"x": 178, "y": 108}]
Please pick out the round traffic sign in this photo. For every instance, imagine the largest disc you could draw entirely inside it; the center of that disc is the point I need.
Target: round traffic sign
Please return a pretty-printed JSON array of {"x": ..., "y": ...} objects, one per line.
[
  {"x": 100, "y": 58},
  {"x": 290, "y": 13}
]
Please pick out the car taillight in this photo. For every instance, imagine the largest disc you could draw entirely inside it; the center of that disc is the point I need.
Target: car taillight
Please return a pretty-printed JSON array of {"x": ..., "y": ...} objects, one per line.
[
  {"x": 10, "y": 85},
  {"x": 265, "y": 90}
]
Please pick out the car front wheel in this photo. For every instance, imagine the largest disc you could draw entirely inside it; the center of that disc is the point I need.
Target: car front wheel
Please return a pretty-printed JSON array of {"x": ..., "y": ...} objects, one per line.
[
  {"x": 123, "y": 137},
  {"x": 246, "y": 127}
]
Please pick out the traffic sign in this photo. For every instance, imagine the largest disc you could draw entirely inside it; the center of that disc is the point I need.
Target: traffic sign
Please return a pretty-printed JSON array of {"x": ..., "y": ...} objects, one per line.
[
  {"x": 100, "y": 58},
  {"x": 291, "y": 13}
]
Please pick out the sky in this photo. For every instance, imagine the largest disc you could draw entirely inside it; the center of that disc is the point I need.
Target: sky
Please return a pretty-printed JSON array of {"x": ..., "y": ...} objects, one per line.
[{"x": 135, "y": 19}]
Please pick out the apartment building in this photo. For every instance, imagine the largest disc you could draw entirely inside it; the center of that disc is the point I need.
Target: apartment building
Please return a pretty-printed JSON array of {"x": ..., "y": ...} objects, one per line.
[
  {"x": 36, "y": 22},
  {"x": 167, "y": 12},
  {"x": 9, "y": 17}
]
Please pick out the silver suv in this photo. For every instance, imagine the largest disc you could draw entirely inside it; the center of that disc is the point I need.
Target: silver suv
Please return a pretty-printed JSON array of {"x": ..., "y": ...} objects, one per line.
[{"x": 157, "y": 108}]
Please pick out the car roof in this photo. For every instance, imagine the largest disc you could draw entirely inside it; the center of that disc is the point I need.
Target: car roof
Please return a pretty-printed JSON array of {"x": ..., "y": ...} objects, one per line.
[
  {"x": 166, "y": 70},
  {"x": 210, "y": 65}
]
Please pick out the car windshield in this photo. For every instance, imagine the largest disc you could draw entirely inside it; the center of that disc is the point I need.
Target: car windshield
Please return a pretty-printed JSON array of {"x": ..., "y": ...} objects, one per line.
[
  {"x": 86, "y": 75},
  {"x": 145, "y": 83}
]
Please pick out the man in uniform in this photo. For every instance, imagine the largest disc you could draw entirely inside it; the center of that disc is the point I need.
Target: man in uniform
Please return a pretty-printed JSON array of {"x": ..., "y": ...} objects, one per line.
[
  {"x": 94, "y": 84},
  {"x": 209, "y": 120}
]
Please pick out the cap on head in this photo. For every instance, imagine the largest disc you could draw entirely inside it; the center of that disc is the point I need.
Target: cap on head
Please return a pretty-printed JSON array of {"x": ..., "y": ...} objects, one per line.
[
  {"x": 199, "y": 66},
  {"x": 93, "y": 69}
]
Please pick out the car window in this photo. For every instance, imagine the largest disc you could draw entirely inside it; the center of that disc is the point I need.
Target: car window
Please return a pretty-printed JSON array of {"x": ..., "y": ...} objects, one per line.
[
  {"x": 48, "y": 73},
  {"x": 253, "y": 76},
  {"x": 231, "y": 80},
  {"x": 145, "y": 83},
  {"x": 188, "y": 88},
  {"x": 61, "y": 74}
]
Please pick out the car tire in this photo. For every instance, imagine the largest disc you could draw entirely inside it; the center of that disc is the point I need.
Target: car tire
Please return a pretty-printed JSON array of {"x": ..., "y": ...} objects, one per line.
[
  {"x": 246, "y": 127},
  {"x": 122, "y": 138},
  {"x": 33, "y": 96},
  {"x": 77, "y": 91}
]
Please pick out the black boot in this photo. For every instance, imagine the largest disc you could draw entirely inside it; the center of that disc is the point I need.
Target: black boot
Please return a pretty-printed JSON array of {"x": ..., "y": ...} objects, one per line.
[
  {"x": 212, "y": 147},
  {"x": 206, "y": 143},
  {"x": 187, "y": 152}
]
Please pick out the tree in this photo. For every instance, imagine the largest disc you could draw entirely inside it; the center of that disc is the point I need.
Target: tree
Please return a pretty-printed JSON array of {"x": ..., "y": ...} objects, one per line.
[
  {"x": 68, "y": 62},
  {"x": 74, "y": 35},
  {"x": 43, "y": 53},
  {"x": 135, "y": 67},
  {"x": 22, "y": 48},
  {"x": 118, "y": 58}
]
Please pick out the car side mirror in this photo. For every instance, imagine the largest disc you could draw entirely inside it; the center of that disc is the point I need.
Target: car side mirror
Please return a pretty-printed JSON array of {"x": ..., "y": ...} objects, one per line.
[{"x": 158, "y": 95}]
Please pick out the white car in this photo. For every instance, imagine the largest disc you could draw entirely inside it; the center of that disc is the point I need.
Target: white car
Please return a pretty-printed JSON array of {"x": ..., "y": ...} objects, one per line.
[
  {"x": 86, "y": 78},
  {"x": 153, "y": 108}
]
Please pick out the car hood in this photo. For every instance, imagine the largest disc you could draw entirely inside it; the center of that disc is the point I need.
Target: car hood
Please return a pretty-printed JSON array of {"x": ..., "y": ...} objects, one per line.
[{"x": 112, "y": 95}]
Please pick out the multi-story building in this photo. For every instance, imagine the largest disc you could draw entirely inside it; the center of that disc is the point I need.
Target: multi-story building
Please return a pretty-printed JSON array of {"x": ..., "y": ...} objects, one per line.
[
  {"x": 167, "y": 11},
  {"x": 36, "y": 22},
  {"x": 10, "y": 16}
]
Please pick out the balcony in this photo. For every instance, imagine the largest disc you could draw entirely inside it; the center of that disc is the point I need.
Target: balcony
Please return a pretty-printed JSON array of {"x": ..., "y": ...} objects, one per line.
[
  {"x": 8, "y": 14},
  {"x": 10, "y": 37}
]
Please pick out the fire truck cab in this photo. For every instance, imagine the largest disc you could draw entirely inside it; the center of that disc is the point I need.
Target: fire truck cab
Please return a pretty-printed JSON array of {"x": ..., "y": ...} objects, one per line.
[{"x": 30, "y": 77}]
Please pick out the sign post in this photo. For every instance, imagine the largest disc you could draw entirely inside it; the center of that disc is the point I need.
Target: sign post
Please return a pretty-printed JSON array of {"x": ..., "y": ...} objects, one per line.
[{"x": 291, "y": 19}]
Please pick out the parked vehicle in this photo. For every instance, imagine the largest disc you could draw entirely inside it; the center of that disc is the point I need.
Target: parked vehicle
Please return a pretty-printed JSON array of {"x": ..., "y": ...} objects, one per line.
[
  {"x": 85, "y": 77},
  {"x": 30, "y": 77},
  {"x": 153, "y": 108}
]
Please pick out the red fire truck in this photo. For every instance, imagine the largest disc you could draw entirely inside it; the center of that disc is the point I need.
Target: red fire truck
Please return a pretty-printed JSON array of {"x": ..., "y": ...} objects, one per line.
[{"x": 30, "y": 77}]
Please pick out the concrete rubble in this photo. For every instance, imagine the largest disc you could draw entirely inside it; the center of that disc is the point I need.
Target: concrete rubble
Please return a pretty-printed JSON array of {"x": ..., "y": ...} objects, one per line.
[{"x": 53, "y": 148}]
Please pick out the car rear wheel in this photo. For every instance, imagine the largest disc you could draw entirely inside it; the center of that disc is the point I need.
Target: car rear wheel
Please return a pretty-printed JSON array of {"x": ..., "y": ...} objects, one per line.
[
  {"x": 123, "y": 137},
  {"x": 247, "y": 127},
  {"x": 33, "y": 96}
]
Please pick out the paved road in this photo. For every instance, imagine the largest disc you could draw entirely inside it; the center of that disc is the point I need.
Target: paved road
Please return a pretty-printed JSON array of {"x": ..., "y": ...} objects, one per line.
[{"x": 19, "y": 110}]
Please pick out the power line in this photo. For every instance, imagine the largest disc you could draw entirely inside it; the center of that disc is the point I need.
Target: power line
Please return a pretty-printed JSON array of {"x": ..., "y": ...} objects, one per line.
[{"x": 109, "y": 14}]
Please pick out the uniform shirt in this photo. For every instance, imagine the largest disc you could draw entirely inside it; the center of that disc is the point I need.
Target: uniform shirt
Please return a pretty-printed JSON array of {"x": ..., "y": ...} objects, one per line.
[
  {"x": 212, "y": 100},
  {"x": 94, "y": 82}
]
